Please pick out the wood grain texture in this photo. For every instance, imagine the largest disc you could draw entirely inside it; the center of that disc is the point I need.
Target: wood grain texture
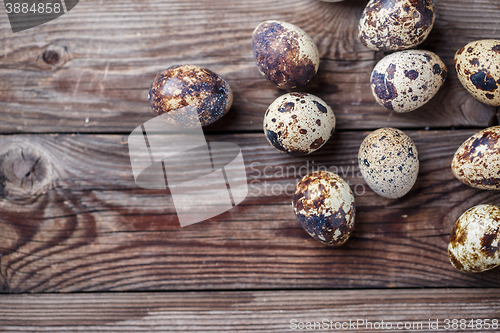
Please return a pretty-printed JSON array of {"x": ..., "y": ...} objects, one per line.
[
  {"x": 72, "y": 219},
  {"x": 271, "y": 311},
  {"x": 109, "y": 53}
]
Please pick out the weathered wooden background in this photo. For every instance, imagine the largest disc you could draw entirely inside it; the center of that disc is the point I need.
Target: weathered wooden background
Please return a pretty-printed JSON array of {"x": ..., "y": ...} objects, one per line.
[{"x": 73, "y": 221}]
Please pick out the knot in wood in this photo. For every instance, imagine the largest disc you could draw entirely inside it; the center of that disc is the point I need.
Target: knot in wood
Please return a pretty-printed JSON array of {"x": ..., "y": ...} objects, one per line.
[
  {"x": 53, "y": 55},
  {"x": 24, "y": 171}
]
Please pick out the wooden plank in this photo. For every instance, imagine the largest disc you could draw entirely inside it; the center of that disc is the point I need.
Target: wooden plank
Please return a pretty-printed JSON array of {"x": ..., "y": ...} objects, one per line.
[
  {"x": 268, "y": 311},
  {"x": 109, "y": 53},
  {"x": 78, "y": 222}
]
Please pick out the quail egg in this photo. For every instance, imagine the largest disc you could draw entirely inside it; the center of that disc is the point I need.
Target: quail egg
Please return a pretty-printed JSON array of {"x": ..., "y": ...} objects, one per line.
[
  {"x": 477, "y": 161},
  {"x": 285, "y": 54},
  {"x": 324, "y": 206},
  {"x": 388, "y": 161},
  {"x": 188, "y": 85},
  {"x": 394, "y": 25},
  {"x": 478, "y": 69},
  {"x": 298, "y": 123},
  {"x": 406, "y": 80},
  {"x": 475, "y": 240}
]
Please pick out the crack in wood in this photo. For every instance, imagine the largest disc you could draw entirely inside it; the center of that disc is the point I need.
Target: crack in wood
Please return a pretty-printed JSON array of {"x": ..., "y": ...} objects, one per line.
[{"x": 31, "y": 171}]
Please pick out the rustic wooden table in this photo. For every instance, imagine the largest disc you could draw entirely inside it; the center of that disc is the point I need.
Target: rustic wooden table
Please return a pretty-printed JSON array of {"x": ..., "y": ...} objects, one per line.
[{"x": 82, "y": 248}]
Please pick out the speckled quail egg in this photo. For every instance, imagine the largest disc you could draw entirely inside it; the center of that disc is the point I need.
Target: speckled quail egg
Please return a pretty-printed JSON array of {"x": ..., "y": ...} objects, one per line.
[
  {"x": 188, "y": 85},
  {"x": 324, "y": 206},
  {"x": 406, "y": 80},
  {"x": 478, "y": 69},
  {"x": 477, "y": 161},
  {"x": 388, "y": 161},
  {"x": 298, "y": 123},
  {"x": 285, "y": 54},
  {"x": 394, "y": 25},
  {"x": 475, "y": 240}
]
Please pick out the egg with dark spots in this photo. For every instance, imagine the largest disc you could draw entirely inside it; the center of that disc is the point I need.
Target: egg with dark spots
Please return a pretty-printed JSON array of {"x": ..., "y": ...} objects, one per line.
[
  {"x": 285, "y": 54},
  {"x": 477, "y": 161},
  {"x": 189, "y": 86},
  {"x": 388, "y": 161},
  {"x": 475, "y": 240},
  {"x": 404, "y": 81},
  {"x": 395, "y": 25},
  {"x": 324, "y": 206},
  {"x": 478, "y": 69},
  {"x": 298, "y": 123}
]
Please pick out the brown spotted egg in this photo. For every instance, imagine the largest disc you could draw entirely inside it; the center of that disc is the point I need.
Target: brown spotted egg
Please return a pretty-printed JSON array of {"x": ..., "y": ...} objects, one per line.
[
  {"x": 394, "y": 25},
  {"x": 388, "y": 161},
  {"x": 406, "y": 80},
  {"x": 475, "y": 240},
  {"x": 285, "y": 54},
  {"x": 324, "y": 206},
  {"x": 183, "y": 86},
  {"x": 477, "y": 161},
  {"x": 298, "y": 123},
  {"x": 478, "y": 69}
]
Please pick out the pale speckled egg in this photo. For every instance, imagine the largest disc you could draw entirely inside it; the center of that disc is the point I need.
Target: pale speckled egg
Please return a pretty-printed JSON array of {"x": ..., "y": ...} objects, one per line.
[
  {"x": 324, "y": 206},
  {"x": 298, "y": 123},
  {"x": 184, "y": 86},
  {"x": 475, "y": 240},
  {"x": 394, "y": 25},
  {"x": 477, "y": 161},
  {"x": 285, "y": 54},
  {"x": 406, "y": 80},
  {"x": 478, "y": 69},
  {"x": 388, "y": 161}
]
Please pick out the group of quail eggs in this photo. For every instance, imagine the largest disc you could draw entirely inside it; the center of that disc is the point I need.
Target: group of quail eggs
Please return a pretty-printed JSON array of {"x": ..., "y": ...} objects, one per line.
[{"x": 299, "y": 123}]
